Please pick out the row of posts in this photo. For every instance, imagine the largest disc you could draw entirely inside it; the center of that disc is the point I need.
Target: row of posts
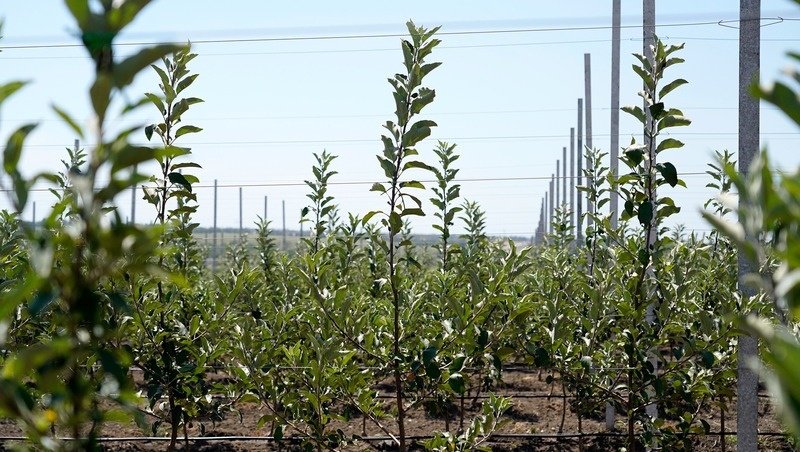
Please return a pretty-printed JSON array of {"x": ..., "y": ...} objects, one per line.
[{"x": 749, "y": 139}]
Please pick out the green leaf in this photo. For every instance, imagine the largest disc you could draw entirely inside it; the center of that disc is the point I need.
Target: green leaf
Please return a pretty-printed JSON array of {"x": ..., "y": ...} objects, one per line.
[
  {"x": 635, "y": 111},
  {"x": 645, "y": 214},
  {"x": 126, "y": 70},
  {"x": 13, "y": 150},
  {"x": 666, "y": 89},
  {"x": 148, "y": 131},
  {"x": 100, "y": 93},
  {"x": 157, "y": 101},
  {"x": 8, "y": 89},
  {"x": 187, "y": 129},
  {"x": 668, "y": 172},
  {"x": 178, "y": 178},
  {"x": 378, "y": 187},
  {"x": 456, "y": 383},
  {"x": 707, "y": 358},
  {"x": 673, "y": 121},
  {"x": 656, "y": 110},
  {"x": 185, "y": 83},
  {"x": 131, "y": 156},
  {"x": 629, "y": 207},
  {"x": 636, "y": 155},
  {"x": 782, "y": 97},
  {"x": 669, "y": 143}
]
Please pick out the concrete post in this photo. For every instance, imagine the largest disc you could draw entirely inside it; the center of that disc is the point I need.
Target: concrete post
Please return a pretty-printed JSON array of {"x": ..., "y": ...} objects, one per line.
[
  {"x": 572, "y": 176},
  {"x": 587, "y": 67},
  {"x": 749, "y": 131},
  {"x": 614, "y": 149},
  {"x": 580, "y": 171}
]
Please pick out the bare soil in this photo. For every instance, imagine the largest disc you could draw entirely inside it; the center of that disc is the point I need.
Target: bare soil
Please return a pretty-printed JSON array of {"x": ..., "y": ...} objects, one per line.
[{"x": 538, "y": 409}]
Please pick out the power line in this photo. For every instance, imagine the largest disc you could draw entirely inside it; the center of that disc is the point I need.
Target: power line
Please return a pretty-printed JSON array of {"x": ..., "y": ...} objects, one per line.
[
  {"x": 383, "y": 35},
  {"x": 453, "y": 139}
]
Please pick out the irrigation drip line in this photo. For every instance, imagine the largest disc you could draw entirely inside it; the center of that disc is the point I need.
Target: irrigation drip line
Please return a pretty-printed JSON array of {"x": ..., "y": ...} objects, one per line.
[{"x": 291, "y": 439}]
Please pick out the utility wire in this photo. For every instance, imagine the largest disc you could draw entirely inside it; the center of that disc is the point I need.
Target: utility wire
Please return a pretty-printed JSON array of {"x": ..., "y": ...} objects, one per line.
[{"x": 387, "y": 35}]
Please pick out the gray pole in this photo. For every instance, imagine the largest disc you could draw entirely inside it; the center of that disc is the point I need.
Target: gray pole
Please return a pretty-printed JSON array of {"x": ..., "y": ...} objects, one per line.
[
  {"x": 648, "y": 39},
  {"x": 572, "y": 177},
  {"x": 283, "y": 245},
  {"x": 33, "y": 220},
  {"x": 265, "y": 209},
  {"x": 552, "y": 204},
  {"x": 546, "y": 213},
  {"x": 241, "y": 212},
  {"x": 564, "y": 184},
  {"x": 559, "y": 195},
  {"x": 214, "y": 234},
  {"x": 614, "y": 151},
  {"x": 749, "y": 130},
  {"x": 587, "y": 67},
  {"x": 580, "y": 170}
]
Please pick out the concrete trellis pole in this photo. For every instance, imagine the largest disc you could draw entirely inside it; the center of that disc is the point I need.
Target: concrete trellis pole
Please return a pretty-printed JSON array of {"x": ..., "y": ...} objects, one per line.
[
  {"x": 265, "y": 209},
  {"x": 580, "y": 170},
  {"x": 648, "y": 40},
  {"x": 552, "y": 204},
  {"x": 614, "y": 149},
  {"x": 564, "y": 177},
  {"x": 572, "y": 176},
  {"x": 587, "y": 67},
  {"x": 241, "y": 213},
  {"x": 749, "y": 130},
  {"x": 559, "y": 195}
]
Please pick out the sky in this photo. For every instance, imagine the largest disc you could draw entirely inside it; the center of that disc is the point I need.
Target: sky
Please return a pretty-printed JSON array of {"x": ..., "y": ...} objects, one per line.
[{"x": 284, "y": 80}]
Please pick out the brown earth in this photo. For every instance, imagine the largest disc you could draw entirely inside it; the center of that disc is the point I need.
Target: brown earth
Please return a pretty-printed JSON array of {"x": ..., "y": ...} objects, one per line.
[{"x": 537, "y": 409}]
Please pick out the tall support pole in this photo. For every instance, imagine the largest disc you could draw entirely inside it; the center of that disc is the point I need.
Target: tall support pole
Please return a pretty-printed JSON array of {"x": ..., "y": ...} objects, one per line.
[
  {"x": 614, "y": 146},
  {"x": 580, "y": 170},
  {"x": 614, "y": 149},
  {"x": 546, "y": 214},
  {"x": 283, "y": 243},
  {"x": 572, "y": 176},
  {"x": 552, "y": 204},
  {"x": 214, "y": 234},
  {"x": 749, "y": 131},
  {"x": 648, "y": 40},
  {"x": 33, "y": 218},
  {"x": 559, "y": 195},
  {"x": 241, "y": 213},
  {"x": 567, "y": 207},
  {"x": 265, "y": 209},
  {"x": 587, "y": 68}
]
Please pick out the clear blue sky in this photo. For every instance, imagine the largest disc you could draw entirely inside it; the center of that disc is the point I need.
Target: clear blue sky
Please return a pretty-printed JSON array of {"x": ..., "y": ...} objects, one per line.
[{"x": 507, "y": 99}]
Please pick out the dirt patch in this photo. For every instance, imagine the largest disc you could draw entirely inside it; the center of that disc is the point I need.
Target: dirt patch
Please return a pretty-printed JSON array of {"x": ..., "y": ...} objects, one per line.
[{"x": 538, "y": 409}]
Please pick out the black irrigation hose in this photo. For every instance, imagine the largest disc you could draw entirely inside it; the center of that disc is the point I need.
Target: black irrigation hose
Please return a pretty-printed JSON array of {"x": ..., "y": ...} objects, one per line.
[{"x": 140, "y": 439}]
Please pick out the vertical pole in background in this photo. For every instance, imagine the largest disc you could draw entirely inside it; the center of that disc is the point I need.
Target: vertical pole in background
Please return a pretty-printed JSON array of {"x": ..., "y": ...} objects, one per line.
[
  {"x": 283, "y": 243},
  {"x": 614, "y": 149},
  {"x": 572, "y": 177},
  {"x": 749, "y": 131},
  {"x": 559, "y": 195},
  {"x": 265, "y": 208},
  {"x": 552, "y": 205},
  {"x": 33, "y": 220},
  {"x": 241, "y": 212},
  {"x": 568, "y": 208},
  {"x": 648, "y": 40},
  {"x": 214, "y": 234},
  {"x": 545, "y": 229},
  {"x": 587, "y": 67},
  {"x": 580, "y": 170}
]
